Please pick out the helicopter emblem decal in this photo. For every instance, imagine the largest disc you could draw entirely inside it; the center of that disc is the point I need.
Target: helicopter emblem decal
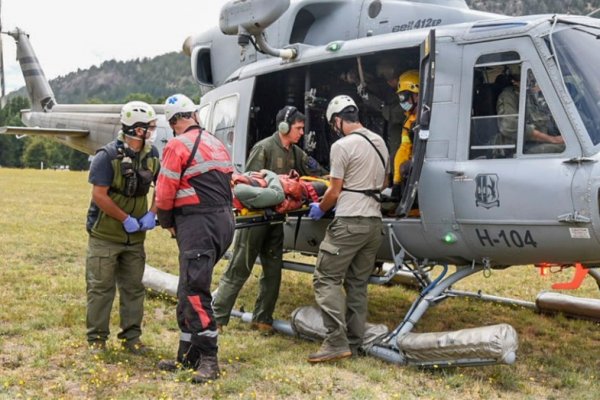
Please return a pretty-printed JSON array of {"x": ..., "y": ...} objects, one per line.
[{"x": 487, "y": 194}]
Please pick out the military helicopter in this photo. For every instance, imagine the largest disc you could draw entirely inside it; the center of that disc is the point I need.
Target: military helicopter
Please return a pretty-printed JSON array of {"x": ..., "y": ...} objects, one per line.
[{"x": 482, "y": 204}]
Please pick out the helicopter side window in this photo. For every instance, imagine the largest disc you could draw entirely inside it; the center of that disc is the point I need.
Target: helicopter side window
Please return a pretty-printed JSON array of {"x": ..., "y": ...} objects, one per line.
[
  {"x": 541, "y": 135},
  {"x": 223, "y": 119},
  {"x": 492, "y": 75}
]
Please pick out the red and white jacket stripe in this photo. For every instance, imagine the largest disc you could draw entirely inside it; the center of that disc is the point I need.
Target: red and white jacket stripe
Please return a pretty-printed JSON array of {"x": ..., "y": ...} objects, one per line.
[{"x": 175, "y": 190}]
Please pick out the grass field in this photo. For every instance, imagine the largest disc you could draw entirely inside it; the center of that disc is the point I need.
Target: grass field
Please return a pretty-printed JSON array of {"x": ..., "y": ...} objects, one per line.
[{"x": 43, "y": 352}]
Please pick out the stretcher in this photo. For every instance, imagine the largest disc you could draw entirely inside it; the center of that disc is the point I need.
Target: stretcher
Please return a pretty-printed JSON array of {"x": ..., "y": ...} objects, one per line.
[
  {"x": 265, "y": 198},
  {"x": 250, "y": 218}
]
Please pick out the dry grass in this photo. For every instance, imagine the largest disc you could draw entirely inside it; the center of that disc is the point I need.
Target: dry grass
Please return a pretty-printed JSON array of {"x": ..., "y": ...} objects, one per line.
[{"x": 43, "y": 352}]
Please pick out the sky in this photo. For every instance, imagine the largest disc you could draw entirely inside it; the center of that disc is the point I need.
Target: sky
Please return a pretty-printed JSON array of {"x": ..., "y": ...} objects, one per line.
[{"x": 71, "y": 34}]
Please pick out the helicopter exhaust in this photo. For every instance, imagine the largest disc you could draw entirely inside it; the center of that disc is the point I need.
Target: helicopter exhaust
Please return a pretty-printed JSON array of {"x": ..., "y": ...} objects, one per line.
[{"x": 248, "y": 20}]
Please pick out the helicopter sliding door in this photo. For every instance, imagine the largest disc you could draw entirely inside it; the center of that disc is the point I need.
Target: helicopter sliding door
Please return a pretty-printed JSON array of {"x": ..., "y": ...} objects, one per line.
[
  {"x": 511, "y": 185},
  {"x": 227, "y": 112}
]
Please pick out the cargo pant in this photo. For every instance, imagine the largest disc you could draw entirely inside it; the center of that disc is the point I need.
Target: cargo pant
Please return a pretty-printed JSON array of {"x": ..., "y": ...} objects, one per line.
[
  {"x": 202, "y": 238},
  {"x": 267, "y": 241},
  {"x": 345, "y": 262},
  {"x": 110, "y": 265}
]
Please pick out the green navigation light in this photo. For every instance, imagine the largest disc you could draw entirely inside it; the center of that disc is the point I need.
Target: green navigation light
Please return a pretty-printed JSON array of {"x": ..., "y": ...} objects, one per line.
[
  {"x": 334, "y": 46},
  {"x": 449, "y": 238}
]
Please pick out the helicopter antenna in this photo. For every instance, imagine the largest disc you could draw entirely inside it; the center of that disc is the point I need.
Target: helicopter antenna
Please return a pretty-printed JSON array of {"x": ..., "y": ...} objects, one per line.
[{"x": 2, "y": 86}]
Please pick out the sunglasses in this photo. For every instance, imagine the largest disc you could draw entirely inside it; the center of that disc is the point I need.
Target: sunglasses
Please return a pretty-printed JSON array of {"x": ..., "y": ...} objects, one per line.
[{"x": 173, "y": 119}]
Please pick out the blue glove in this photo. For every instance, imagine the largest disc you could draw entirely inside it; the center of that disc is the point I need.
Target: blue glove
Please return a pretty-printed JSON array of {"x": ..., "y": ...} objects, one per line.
[
  {"x": 131, "y": 224},
  {"x": 315, "y": 211},
  {"x": 148, "y": 221}
]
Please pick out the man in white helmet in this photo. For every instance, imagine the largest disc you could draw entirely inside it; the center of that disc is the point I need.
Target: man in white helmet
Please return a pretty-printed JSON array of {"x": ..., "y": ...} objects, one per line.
[
  {"x": 359, "y": 166},
  {"x": 118, "y": 218},
  {"x": 193, "y": 197}
]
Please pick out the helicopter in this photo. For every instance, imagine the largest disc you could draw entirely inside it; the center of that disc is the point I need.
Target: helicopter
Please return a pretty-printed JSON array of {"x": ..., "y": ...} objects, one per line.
[{"x": 482, "y": 205}]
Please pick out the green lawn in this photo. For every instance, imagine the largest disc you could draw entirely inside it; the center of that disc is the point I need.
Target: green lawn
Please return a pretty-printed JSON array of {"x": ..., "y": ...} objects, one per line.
[{"x": 43, "y": 351}]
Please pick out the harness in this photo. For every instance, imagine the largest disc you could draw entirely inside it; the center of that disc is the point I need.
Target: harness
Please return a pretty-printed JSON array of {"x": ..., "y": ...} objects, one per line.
[
  {"x": 373, "y": 193},
  {"x": 136, "y": 180},
  {"x": 194, "y": 149}
]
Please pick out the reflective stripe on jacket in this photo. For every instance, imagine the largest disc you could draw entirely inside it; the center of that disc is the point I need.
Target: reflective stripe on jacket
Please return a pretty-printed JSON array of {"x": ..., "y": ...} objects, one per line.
[{"x": 178, "y": 186}]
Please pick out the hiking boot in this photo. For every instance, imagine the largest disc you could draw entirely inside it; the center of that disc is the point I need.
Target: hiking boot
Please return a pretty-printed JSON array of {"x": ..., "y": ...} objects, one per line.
[
  {"x": 96, "y": 347},
  {"x": 329, "y": 353},
  {"x": 172, "y": 365},
  {"x": 188, "y": 357},
  {"x": 208, "y": 370},
  {"x": 357, "y": 351},
  {"x": 135, "y": 347},
  {"x": 263, "y": 328}
]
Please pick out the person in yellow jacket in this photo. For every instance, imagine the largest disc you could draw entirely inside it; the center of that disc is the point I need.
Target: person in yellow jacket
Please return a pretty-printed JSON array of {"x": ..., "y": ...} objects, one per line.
[{"x": 408, "y": 94}]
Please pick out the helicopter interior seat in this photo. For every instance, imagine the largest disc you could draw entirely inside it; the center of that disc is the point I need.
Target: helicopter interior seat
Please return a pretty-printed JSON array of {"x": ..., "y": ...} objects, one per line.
[{"x": 484, "y": 130}]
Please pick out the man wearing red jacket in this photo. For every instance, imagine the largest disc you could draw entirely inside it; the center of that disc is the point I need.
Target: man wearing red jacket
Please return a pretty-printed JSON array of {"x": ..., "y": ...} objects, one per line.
[{"x": 193, "y": 197}]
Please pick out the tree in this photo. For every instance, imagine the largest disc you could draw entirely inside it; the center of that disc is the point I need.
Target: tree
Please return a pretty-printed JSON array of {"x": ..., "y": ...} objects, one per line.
[
  {"x": 35, "y": 153},
  {"x": 11, "y": 148}
]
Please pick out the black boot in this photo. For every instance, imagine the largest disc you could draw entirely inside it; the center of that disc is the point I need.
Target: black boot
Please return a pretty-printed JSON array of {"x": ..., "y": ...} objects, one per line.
[
  {"x": 208, "y": 370},
  {"x": 188, "y": 357}
]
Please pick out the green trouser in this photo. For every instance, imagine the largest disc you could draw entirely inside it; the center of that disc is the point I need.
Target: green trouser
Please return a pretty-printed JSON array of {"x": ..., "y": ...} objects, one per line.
[
  {"x": 345, "y": 262},
  {"x": 110, "y": 265},
  {"x": 266, "y": 240}
]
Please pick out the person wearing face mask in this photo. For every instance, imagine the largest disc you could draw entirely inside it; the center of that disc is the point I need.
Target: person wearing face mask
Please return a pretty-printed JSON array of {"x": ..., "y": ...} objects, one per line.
[
  {"x": 359, "y": 167},
  {"x": 194, "y": 201},
  {"x": 118, "y": 217},
  {"x": 408, "y": 94}
]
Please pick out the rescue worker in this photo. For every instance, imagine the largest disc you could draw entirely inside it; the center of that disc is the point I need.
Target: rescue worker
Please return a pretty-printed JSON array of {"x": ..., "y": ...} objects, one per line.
[
  {"x": 408, "y": 94},
  {"x": 538, "y": 120},
  {"x": 278, "y": 153},
  {"x": 118, "y": 217},
  {"x": 193, "y": 197},
  {"x": 359, "y": 166}
]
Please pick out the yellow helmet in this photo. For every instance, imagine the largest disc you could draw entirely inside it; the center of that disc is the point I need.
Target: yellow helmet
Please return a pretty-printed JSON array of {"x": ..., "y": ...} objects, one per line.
[{"x": 408, "y": 81}]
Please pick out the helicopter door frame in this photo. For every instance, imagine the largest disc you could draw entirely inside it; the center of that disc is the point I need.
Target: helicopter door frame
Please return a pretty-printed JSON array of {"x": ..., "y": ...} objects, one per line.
[
  {"x": 421, "y": 129},
  {"x": 237, "y": 121}
]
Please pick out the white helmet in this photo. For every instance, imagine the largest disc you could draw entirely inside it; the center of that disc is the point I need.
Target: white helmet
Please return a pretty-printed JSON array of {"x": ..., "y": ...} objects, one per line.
[
  {"x": 178, "y": 103},
  {"x": 137, "y": 111},
  {"x": 338, "y": 104}
]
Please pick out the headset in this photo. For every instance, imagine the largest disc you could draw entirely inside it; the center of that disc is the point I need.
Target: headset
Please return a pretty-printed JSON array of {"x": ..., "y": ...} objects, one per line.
[{"x": 284, "y": 126}]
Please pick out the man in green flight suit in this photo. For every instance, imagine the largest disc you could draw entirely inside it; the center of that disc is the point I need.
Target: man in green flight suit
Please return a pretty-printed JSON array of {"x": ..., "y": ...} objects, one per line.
[
  {"x": 278, "y": 153},
  {"x": 540, "y": 133}
]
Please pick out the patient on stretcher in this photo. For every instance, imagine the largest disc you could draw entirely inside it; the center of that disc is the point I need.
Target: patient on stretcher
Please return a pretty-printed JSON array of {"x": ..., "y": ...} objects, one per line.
[{"x": 282, "y": 193}]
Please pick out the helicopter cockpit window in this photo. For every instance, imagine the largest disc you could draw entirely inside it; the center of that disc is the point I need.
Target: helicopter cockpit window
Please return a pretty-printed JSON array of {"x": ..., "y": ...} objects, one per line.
[
  {"x": 223, "y": 119},
  {"x": 578, "y": 63},
  {"x": 541, "y": 135},
  {"x": 493, "y": 73}
]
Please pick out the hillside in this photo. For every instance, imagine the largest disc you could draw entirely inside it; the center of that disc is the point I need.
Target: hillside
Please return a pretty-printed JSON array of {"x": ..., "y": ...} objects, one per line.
[{"x": 113, "y": 81}]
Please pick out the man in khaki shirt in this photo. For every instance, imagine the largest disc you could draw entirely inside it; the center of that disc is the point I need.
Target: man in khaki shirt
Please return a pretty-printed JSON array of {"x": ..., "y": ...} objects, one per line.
[{"x": 359, "y": 166}]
